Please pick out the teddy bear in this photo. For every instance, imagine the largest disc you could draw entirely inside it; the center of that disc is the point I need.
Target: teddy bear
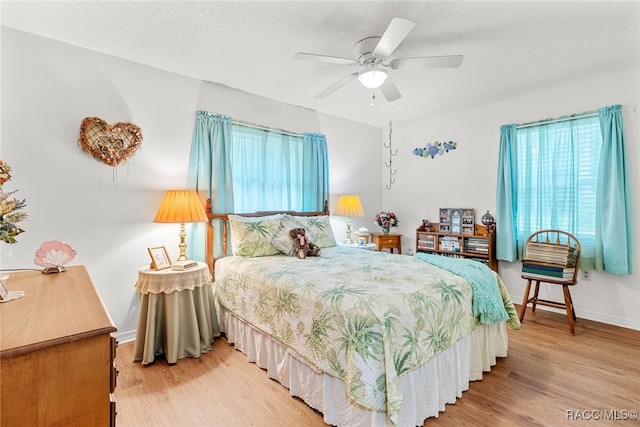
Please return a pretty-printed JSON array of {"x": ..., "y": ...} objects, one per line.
[{"x": 302, "y": 246}]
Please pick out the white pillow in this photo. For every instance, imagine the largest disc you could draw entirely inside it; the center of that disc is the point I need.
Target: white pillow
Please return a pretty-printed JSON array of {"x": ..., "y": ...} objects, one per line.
[
  {"x": 251, "y": 236},
  {"x": 320, "y": 228},
  {"x": 282, "y": 239}
]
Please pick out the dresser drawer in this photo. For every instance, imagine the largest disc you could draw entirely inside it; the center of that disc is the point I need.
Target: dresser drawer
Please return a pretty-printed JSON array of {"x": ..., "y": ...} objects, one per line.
[{"x": 388, "y": 241}]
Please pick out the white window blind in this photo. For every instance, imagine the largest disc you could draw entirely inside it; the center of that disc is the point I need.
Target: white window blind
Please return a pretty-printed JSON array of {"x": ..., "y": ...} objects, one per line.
[
  {"x": 557, "y": 179},
  {"x": 266, "y": 170}
]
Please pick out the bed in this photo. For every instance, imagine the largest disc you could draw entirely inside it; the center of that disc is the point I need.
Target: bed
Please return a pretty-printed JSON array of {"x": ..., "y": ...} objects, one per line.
[{"x": 366, "y": 338}]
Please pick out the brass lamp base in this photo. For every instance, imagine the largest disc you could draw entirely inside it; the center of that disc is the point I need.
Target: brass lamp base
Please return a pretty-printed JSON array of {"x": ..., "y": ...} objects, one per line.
[
  {"x": 348, "y": 240},
  {"x": 182, "y": 246}
]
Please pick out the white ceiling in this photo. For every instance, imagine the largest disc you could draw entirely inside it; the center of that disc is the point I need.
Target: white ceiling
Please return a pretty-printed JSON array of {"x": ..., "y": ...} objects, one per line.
[{"x": 509, "y": 47}]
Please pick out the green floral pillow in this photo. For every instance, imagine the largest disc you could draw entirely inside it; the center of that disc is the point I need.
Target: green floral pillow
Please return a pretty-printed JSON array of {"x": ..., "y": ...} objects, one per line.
[
  {"x": 320, "y": 228},
  {"x": 282, "y": 239},
  {"x": 251, "y": 237}
]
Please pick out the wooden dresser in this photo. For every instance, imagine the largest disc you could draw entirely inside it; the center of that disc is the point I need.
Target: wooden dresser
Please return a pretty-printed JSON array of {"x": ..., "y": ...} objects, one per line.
[{"x": 56, "y": 352}]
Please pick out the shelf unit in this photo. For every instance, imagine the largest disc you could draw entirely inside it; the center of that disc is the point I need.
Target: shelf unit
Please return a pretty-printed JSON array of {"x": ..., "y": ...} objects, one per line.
[{"x": 480, "y": 246}]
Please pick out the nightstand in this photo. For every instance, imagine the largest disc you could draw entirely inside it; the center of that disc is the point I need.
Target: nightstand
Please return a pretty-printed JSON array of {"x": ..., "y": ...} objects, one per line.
[
  {"x": 387, "y": 241},
  {"x": 177, "y": 314}
]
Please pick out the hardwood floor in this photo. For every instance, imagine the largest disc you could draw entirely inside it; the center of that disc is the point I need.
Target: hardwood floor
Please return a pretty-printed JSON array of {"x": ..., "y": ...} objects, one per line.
[{"x": 549, "y": 378}]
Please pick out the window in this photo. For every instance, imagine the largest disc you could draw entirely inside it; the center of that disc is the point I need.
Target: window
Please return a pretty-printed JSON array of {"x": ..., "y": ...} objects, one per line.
[
  {"x": 557, "y": 179},
  {"x": 266, "y": 169},
  {"x": 570, "y": 173},
  {"x": 244, "y": 169}
]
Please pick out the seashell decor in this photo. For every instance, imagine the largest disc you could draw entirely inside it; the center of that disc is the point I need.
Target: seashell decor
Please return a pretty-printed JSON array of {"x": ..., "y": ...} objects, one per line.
[{"x": 53, "y": 254}]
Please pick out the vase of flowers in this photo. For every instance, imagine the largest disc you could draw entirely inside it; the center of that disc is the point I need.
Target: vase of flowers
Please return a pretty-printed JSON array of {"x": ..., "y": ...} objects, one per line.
[
  {"x": 386, "y": 220},
  {"x": 10, "y": 209}
]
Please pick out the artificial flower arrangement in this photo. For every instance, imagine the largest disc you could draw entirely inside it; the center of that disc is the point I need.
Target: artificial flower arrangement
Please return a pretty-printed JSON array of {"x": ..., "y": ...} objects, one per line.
[
  {"x": 386, "y": 220},
  {"x": 435, "y": 149},
  {"x": 10, "y": 208}
]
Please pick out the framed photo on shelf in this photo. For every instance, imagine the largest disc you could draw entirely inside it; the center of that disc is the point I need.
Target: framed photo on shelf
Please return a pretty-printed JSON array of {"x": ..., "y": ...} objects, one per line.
[
  {"x": 160, "y": 259},
  {"x": 467, "y": 229},
  {"x": 468, "y": 213}
]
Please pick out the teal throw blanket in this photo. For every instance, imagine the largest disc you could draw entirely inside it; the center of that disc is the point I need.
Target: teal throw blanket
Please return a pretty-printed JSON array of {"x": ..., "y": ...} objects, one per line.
[{"x": 488, "y": 306}]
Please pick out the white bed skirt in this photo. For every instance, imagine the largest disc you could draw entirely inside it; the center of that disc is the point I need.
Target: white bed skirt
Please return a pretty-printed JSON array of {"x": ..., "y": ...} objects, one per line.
[{"x": 425, "y": 390}]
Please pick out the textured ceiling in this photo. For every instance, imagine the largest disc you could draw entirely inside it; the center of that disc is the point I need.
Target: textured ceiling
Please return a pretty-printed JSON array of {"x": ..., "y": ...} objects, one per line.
[{"x": 509, "y": 48}]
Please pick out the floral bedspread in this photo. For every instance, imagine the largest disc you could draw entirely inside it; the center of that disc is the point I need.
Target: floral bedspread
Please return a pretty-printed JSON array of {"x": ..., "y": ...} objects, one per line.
[{"x": 364, "y": 317}]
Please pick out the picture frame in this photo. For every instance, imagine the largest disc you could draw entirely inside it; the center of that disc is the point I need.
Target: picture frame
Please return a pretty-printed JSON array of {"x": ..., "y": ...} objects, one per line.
[
  {"x": 3, "y": 291},
  {"x": 468, "y": 229},
  {"x": 160, "y": 258}
]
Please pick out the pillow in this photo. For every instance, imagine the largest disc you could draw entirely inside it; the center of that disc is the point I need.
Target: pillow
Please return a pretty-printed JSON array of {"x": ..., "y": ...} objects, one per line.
[
  {"x": 251, "y": 237},
  {"x": 320, "y": 228},
  {"x": 282, "y": 239}
]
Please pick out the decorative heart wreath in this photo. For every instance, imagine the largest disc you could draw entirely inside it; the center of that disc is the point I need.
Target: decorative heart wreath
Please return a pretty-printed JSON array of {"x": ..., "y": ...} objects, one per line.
[{"x": 111, "y": 144}]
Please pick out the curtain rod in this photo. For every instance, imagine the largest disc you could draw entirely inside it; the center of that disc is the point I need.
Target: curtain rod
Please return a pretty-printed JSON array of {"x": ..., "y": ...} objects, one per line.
[
  {"x": 260, "y": 127},
  {"x": 558, "y": 119}
]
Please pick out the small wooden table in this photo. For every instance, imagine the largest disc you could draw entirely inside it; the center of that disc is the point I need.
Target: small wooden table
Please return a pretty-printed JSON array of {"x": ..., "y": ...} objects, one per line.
[
  {"x": 387, "y": 241},
  {"x": 177, "y": 314}
]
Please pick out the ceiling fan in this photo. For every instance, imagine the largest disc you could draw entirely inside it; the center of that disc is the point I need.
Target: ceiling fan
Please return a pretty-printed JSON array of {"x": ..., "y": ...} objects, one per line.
[{"x": 372, "y": 52}]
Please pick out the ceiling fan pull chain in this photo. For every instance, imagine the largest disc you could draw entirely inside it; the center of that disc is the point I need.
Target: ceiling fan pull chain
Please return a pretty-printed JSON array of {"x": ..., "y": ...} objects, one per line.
[{"x": 373, "y": 96}]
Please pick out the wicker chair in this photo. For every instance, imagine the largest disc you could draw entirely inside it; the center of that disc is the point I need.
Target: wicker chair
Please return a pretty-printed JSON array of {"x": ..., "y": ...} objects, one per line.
[{"x": 551, "y": 256}]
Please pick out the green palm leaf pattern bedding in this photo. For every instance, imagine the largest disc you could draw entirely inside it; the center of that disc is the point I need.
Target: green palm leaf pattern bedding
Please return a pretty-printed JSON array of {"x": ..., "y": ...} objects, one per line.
[{"x": 364, "y": 317}]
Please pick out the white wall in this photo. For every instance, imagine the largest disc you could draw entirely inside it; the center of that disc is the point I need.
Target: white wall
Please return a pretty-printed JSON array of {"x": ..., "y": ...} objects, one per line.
[
  {"x": 49, "y": 87},
  {"x": 107, "y": 215},
  {"x": 466, "y": 178}
]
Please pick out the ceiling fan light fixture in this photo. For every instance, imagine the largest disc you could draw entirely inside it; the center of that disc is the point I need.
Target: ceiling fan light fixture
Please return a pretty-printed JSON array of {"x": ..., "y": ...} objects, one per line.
[{"x": 372, "y": 77}]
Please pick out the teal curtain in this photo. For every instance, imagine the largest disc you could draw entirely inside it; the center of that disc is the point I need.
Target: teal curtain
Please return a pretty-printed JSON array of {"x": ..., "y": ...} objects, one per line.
[
  {"x": 506, "y": 206},
  {"x": 266, "y": 166},
  {"x": 315, "y": 175},
  {"x": 275, "y": 170},
  {"x": 614, "y": 249},
  {"x": 558, "y": 166},
  {"x": 210, "y": 174}
]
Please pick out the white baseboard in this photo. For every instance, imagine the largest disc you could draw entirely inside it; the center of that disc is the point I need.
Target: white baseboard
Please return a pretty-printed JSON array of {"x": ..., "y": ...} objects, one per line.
[
  {"x": 595, "y": 316},
  {"x": 608, "y": 319},
  {"x": 126, "y": 336}
]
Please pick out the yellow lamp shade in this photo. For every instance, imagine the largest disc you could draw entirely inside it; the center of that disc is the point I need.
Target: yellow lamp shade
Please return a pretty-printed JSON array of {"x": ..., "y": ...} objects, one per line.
[
  {"x": 180, "y": 206},
  {"x": 349, "y": 205}
]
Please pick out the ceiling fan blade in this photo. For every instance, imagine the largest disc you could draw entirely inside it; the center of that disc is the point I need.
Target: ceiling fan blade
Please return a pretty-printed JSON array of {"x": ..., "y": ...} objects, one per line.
[
  {"x": 397, "y": 30},
  {"x": 389, "y": 90},
  {"x": 334, "y": 87},
  {"x": 324, "y": 58},
  {"x": 451, "y": 61}
]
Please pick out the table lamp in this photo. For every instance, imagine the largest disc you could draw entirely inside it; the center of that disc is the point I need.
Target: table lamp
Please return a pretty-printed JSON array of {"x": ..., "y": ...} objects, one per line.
[
  {"x": 349, "y": 205},
  {"x": 180, "y": 206}
]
